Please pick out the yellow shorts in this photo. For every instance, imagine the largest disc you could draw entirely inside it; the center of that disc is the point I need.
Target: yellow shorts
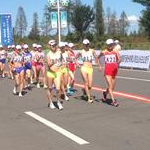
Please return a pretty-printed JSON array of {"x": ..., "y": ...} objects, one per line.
[
  {"x": 53, "y": 75},
  {"x": 64, "y": 70},
  {"x": 88, "y": 70}
]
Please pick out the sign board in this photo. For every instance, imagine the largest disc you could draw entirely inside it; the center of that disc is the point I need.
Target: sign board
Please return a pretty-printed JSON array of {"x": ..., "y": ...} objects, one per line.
[
  {"x": 6, "y": 33},
  {"x": 54, "y": 19},
  {"x": 63, "y": 18},
  {"x": 135, "y": 59}
]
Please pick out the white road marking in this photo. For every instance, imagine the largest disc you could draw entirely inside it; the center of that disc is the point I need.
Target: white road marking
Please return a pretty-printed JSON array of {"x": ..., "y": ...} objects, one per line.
[
  {"x": 57, "y": 128},
  {"x": 137, "y": 79},
  {"x": 134, "y": 70}
]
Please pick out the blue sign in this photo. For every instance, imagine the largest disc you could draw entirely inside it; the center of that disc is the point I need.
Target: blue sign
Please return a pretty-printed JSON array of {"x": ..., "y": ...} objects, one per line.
[{"x": 6, "y": 33}]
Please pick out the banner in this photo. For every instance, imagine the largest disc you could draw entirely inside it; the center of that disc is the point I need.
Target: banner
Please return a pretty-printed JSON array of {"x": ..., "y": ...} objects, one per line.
[
  {"x": 54, "y": 19},
  {"x": 135, "y": 59},
  {"x": 6, "y": 33},
  {"x": 63, "y": 18}
]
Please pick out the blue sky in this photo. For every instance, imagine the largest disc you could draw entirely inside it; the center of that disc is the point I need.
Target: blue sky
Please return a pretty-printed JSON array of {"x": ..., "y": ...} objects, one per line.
[{"x": 30, "y": 6}]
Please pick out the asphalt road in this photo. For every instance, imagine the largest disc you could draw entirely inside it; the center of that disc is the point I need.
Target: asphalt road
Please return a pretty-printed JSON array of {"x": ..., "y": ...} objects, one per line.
[{"x": 102, "y": 126}]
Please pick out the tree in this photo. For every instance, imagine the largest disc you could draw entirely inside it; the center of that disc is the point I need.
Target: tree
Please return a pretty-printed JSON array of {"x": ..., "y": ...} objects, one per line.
[
  {"x": 113, "y": 24},
  {"x": 34, "y": 33},
  {"x": 21, "y": 23},
  {"x": 107, "y": 21},
  {"x": 82, "y": 17},
  {"x": 69, "y": 13},
  {"x": 46, "y": 22},
  {"x": 145, "y": 18},
  {"x": 99, "y": 20},
  {"x": 123, "y": 24}
]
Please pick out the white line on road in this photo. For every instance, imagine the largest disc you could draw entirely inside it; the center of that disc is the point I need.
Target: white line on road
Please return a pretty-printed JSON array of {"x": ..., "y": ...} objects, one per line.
[
  {"x": 137, "y": 79},
  {"x": 57, "y": 128}
]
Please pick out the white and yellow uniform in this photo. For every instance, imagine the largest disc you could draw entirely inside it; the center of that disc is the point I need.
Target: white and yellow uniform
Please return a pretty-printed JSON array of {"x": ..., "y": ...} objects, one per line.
[
  {"x": 55, "y": 60},
  {"x": 65, "y": 58},
  {"x": 87, "y": 58}
]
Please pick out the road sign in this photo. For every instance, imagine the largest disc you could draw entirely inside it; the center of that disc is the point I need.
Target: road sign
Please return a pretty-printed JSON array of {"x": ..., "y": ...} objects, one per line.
[{"x": 6, "y": 33}]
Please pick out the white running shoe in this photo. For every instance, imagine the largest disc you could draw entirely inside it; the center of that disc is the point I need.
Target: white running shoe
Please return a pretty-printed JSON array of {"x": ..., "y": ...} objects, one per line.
[
  {"x": 52, "y": 105},
  {"x": 45, "y": 86},
  {"x": 66, "y": 98},
  {"x": 14, "y": 90},
  {"x": 59, "y": 105},
  {"x": 38, "y": 85},
  {"x": 20, "y": 94}
]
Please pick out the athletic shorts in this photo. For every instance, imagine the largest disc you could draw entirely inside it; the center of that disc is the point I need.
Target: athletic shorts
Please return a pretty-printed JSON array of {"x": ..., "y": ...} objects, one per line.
[
  {"x": 64, "y": 70},
  {"x": 111, "y": 71},
  {"x": 18, "y": 70},
  {"x": 3, "y": 61},
  {"x": 53, "y": 75},
  {"x": 39, "y": 66},
  {"x": 34, "y": 63},
  {"x": 28, "y": 65},
  {"x": 71, "y": 67},
  {"x": 88, "y": 70}
]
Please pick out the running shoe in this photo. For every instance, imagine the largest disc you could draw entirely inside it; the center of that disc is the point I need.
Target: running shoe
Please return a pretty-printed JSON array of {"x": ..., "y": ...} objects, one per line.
[
  {"x": 45, "y": 86},
  {"x": 66, "y": 98},
  {"x": 3, "y": 76},
  {"x": 70, "y": 92},
  {"x": 51, "y": 105},
  {"x": 115, "y": 104},
  {"x": 90, "y": 100},
  {"x": 38, "y": 85},
  {"x": 20, "y": 94},
  {"x": 14, "y": 91},
  {"x": 59, "y": 105},
  {"x": 104, "y": 96}
]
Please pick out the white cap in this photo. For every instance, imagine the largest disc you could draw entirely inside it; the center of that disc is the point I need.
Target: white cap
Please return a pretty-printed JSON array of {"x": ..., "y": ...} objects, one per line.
[
  {"x": 86, "y": 41},
  {"x": 25, "y": 46},
  {"x": 39, "y": 46},
  {"x": 13, "y": 46},
  {"x": 116, "y": 41},
  {"x": 34, "y": 45},
  {"x": 66, "y": 43},
  {"x": 9, "y": 46},
  {"x": 52, "y": 42},
  {"x": 109, "y": 41},
  {"x": 1, "y": 46},
  {"x": 18, "y": 47},
  {"x": 61, "y": 44},
  {"x": 71, "y": 45}
]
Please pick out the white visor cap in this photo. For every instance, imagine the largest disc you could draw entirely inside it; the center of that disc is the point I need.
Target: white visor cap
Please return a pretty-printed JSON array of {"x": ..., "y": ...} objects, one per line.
[
  {"x": 109, "y": 41},
  {"x": 71, "y": 45},
  {"x": 86, "y": 41}
]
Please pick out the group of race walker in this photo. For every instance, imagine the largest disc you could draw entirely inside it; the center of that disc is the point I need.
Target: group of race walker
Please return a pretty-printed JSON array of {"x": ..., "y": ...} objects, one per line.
[{"x": 58, "y": 67}]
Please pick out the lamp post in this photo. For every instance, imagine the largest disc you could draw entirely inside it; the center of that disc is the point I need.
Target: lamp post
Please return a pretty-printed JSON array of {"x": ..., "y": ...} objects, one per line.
[
  {"x": 58, "y": 12},
  {"x": 57, "y": 5}
]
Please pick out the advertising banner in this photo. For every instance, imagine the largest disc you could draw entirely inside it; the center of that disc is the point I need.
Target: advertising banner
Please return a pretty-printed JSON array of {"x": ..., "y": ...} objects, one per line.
[
  {"x": 63, "y": 18},
  {"x": 135, "y": 59},
  {"x": 6, "y": 33},
  {"x": 54, "y": 19}
]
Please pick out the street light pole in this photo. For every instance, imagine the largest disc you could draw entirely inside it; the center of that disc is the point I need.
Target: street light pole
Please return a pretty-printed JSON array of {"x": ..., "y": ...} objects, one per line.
[{"x": 59, "y": 28}]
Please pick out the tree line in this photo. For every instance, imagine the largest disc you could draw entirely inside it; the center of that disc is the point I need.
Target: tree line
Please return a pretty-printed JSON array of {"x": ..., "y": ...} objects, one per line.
[{"x": 84, "y": 21}]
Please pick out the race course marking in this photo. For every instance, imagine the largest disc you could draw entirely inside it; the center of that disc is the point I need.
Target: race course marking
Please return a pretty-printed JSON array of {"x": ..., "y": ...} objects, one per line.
[
  {"x": 57, "y": 128},
  {"x": 130, "y": 96},
  {"x": 137, "y": 79}
]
